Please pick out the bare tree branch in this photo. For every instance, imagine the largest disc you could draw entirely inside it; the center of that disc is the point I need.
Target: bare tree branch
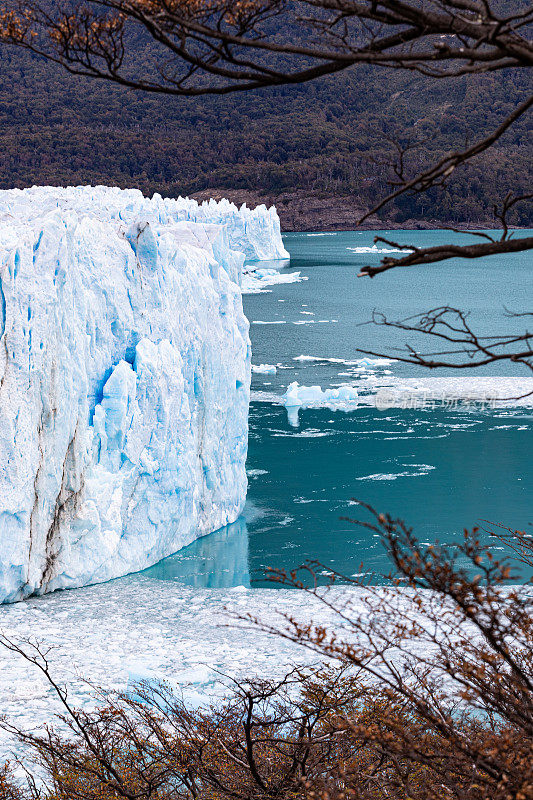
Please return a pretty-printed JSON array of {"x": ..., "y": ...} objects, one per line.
[
  {"x": 431, "y": 255},
  {"x": 465, "y": 349}
]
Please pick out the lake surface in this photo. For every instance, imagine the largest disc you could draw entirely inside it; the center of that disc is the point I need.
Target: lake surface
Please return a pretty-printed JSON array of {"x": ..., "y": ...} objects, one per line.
[{"x": 440, "y": 468}]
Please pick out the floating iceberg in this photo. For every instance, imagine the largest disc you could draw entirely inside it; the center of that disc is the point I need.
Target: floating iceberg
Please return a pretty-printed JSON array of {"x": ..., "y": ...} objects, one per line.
[
  {"x": 364, "y": 363},
  {"x": 405, "y": 393},
  {"x": 264, "y": 369},
  {"x": 124, "y": 379},
  {"x": 379, "y": 250},
  {"x": 296, "y": 397},
  {"x": 256, "y": 280}
]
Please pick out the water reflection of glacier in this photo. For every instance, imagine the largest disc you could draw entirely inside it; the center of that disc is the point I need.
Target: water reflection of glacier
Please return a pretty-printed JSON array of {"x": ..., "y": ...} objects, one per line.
[{"x": 217, "y": 561}]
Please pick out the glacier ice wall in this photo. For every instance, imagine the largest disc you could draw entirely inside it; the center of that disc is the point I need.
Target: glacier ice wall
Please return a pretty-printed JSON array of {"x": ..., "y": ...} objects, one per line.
[
  {"x": 254, "y": 232},
  {"x": 124, "y": 379}
]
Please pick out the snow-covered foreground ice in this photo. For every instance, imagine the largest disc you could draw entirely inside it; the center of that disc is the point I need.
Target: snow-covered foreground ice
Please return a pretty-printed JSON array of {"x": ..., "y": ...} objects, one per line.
[
  {"x": 137, "y": 628},
  {"x": 120, "y": 633},
  {"x": 124, "y": 379},
  {"x": 117, "y": 635}
]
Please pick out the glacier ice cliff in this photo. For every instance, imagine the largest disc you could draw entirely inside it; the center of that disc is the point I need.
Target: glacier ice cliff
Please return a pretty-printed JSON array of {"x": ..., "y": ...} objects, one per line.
[{"x": 124, "y": 379}]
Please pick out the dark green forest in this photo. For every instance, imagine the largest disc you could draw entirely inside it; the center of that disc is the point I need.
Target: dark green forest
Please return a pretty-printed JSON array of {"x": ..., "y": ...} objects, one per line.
[{"x": 331, "y": 138}]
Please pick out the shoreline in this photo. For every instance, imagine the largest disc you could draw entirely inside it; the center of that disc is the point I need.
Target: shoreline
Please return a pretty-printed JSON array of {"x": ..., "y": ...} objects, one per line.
[{"x": 300, "y": 212}]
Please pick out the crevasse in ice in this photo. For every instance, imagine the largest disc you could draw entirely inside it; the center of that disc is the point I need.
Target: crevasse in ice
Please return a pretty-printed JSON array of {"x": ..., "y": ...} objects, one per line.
[{"x": 124, "y": 379}]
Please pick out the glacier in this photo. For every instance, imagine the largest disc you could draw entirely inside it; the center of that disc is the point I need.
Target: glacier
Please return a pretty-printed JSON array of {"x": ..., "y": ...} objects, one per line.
[{"x": 125, "y": 366}]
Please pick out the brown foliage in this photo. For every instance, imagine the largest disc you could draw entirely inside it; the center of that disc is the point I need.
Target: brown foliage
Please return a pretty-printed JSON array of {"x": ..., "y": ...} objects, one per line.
[
  {"x": 454, "y": 646},
  {"x": 428, "y": 696},
  {"x": 8, "y": 787},
  {"x": 319, "y": 734}
]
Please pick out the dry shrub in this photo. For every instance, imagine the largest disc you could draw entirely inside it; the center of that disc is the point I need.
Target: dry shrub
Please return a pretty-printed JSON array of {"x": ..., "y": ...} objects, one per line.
[{"x": 428, "y": 697}]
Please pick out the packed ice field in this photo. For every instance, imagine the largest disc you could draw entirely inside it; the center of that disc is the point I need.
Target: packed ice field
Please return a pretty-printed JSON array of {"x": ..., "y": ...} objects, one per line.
[{"x": 114, "y": 636}]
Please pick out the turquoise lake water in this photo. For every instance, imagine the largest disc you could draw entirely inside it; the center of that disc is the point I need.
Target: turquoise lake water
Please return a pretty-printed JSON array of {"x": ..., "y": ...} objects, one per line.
[{"x": 441, "y": 469}]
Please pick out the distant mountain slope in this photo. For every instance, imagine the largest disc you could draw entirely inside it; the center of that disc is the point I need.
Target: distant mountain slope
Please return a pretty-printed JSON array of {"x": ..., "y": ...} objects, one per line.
[{"x": 325, "y": 140}]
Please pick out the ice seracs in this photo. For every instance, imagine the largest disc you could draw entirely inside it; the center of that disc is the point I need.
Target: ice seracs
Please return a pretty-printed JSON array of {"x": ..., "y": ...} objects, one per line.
[
  {"x": 252, "y": 232},
  {"x": 124, "y": 379}
]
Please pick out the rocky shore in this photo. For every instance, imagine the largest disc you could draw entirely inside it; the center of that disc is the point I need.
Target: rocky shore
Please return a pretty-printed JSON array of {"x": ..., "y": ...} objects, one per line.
[{"x": 301, "y": 211}]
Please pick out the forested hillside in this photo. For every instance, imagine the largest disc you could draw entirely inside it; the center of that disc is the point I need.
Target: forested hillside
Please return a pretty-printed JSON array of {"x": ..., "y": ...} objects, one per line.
[{"x": 327, "y": 140}]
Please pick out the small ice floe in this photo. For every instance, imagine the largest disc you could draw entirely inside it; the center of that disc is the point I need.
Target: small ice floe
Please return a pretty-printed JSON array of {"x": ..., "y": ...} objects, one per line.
[
  {"x": 311, "y": 433},
  {"x": 369, "y": 363},
  {"x": 363, "y": 363},
  {"x": 264, "y": 369},
  {"x": 258, "y": 280},
  {"x": 296, "y": 397},
  {"x": 416, "y": 471},
  {"x": 378, "y": 250},
  {"x": 312, "y": 321},
  {"x": 450, "y": 392},
  {"x": 269, "y": 322}
]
